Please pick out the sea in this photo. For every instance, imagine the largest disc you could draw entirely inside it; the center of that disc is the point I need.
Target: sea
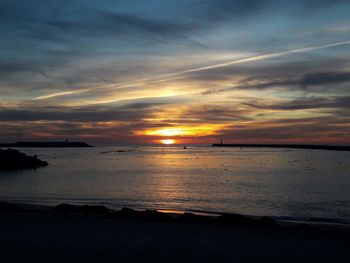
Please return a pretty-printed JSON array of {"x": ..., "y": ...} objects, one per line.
[{"x": 276, "y": 182}]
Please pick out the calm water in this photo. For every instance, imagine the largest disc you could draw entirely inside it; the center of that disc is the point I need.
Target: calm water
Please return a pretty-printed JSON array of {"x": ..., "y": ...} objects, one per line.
[{"x": 278, "y": 182}]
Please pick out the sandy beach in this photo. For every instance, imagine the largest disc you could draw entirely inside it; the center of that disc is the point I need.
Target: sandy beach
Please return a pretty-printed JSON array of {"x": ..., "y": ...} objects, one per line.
[{"x": 77, "y": 234}]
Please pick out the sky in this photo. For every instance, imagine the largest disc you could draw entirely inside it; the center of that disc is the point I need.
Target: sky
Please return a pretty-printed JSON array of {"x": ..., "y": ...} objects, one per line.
[{"x": 113, "y": 72}]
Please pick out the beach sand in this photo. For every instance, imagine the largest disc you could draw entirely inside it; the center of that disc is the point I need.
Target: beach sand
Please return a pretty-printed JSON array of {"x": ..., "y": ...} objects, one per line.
[{"x": 42, "y": 234}]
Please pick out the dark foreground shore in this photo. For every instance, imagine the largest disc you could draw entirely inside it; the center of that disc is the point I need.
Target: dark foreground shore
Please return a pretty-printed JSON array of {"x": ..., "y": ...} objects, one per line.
[{"x": 96, "y": 234}]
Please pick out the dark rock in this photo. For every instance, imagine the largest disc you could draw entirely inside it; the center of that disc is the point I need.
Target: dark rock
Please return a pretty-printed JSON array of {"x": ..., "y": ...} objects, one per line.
[
  {"x": 242, "y": 220},
  {"x": 266, "y": 221},
  {"x": 8, "y": 207},
  {"x": 15, "y": 160},
  {"x": 301, "y": 227},
  {"x": 188, "y": 217},
  {"x": 193, "y": 218},
  {"x": 154, "y": 215},
  {"x": 86, "y": 209},
  {"x": 126, "y": 212},
  {"x": 235, "y": 219},
  {"x": 142, "y": 215}
]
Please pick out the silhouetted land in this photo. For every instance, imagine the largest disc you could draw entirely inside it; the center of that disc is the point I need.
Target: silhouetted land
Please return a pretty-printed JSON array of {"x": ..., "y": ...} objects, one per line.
[
  {"x": 68, "y": 233},
  {"x": 45, "y": 144},
  {"x": 15, "y": 160},
  {"x": 292, "y": 146}
]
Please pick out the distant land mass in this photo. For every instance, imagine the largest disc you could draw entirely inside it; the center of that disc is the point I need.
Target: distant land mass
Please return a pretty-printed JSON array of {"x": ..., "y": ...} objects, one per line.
[
  {"x": 293, "y": 146},
  {"x": 45, "y": 144}
]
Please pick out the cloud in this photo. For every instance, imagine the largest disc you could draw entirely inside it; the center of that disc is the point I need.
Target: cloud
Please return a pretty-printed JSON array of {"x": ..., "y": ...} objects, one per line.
[
  {"x": 129, "y": 113},
  {"x": 118, "y": 25},
  {"x": 221, "y": 65},
  {"x": 308, "y": 81},
  {"x": 324, "y": 78},
  {"x": 309, "y": 130},
  {"x": 239, "y": 11},
  {"x": 337, "y": 102}
]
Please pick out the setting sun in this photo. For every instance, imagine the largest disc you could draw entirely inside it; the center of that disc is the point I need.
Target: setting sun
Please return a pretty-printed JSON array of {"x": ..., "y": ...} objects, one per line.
[
  {"x": 168, "y": 141},
  {"x": 199, "y": 130},
  {"x": 168, "y": 132}
]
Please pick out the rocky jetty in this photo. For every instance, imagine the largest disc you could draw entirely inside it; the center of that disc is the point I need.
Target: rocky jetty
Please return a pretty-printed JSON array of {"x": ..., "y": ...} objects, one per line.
[
  {"x": 11, "y": 159},
  {"x": 289, "y": 146}
]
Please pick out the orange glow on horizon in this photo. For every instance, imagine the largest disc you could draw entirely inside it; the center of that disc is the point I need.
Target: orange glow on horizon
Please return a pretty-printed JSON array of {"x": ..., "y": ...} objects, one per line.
[
  {"x": 201, "y": 130},
  {"x": 167, "y": 132},
  {"x": 168, "y": 141}
]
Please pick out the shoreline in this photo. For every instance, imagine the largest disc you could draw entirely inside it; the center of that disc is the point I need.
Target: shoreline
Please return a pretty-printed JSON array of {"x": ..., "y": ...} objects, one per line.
[
  {"x": 67, "y": 233},
  {"x": 278, "y": 218},
  {"x": 196, "y": 216}
]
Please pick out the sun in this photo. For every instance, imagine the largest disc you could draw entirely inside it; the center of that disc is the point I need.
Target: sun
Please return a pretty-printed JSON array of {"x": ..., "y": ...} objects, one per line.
[
  {"x": 167, "y": 132},
  {"x": 167, "y": 141}
]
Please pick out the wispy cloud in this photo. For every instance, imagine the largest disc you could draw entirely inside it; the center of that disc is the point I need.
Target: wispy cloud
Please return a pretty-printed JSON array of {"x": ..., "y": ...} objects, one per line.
[{"x": 175, "y": 75}]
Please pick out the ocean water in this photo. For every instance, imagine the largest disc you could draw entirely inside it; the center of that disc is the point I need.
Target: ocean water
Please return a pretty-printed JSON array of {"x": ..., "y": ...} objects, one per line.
[{"x": 254, "y": 181}]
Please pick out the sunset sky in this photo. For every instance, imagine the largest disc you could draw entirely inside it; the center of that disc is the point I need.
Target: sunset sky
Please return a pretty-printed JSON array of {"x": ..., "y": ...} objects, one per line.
[{"x": 191, "y": 71}]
